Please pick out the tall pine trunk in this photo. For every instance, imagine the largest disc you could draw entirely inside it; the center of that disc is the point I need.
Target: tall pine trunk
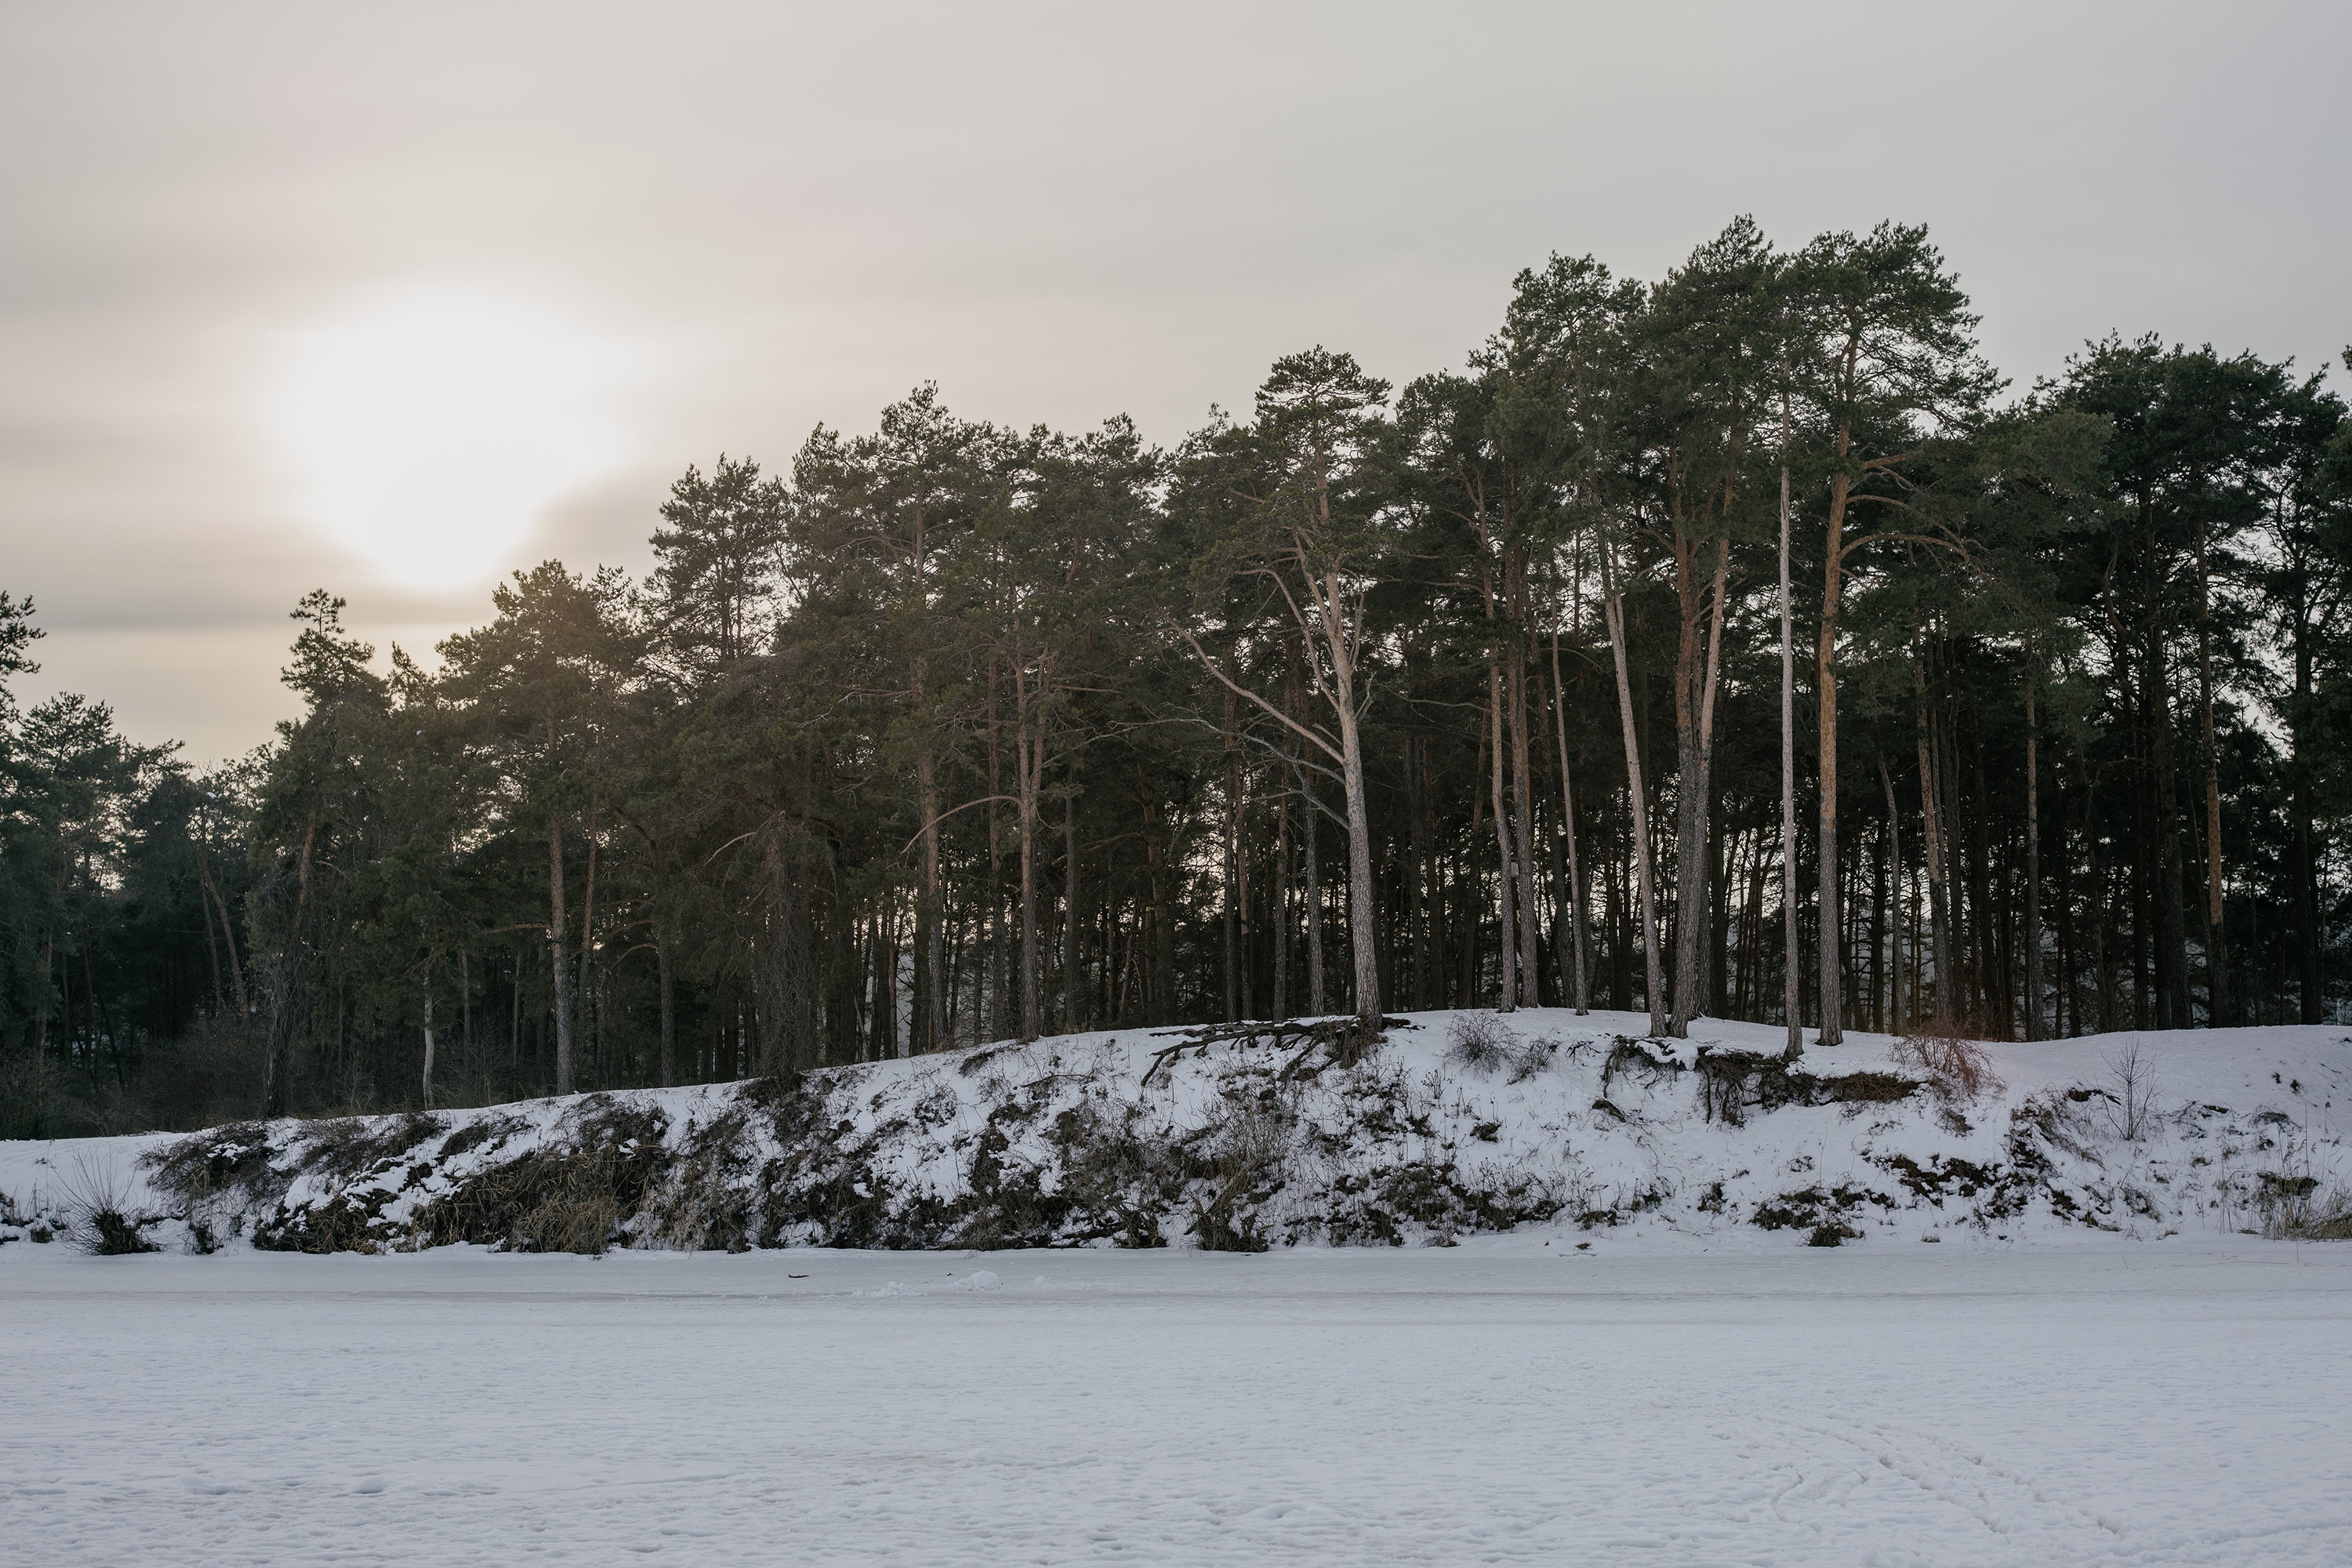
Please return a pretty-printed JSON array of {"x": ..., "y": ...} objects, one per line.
[
  {"x": 1029, "y": 761},
  {"x": 1515, "y": 584},
  {"x": 1071, "y": 1022},
  {"x": 556, "y": 942},
  {"x": 2302, "y": 845},
  {"x": 1825, "y": 679},
  {"x": 1791, "y": 990},
  {"x": 1361, "y": 932},
  {"x": 1580, "y": 992},
  {"x": 2032, "y": 869},
  {"x": 1895, "y": 854},
  {"x": 1695, "y": 679},
  {"x": 2217, "y": 952},
  {"x": 1507, "y": 927},
  {"x": 1312, "y": 831},
  {"x": 1637, "y": 805},
  {"x": 666, "y": 981},
  {"x": 1939, "y": 905},
  {"x": 1278, "y": 904}
]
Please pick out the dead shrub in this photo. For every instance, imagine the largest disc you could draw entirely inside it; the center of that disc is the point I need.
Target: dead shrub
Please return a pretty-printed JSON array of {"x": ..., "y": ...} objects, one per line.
[
  {"x": 1245, "y": 1170},
  {"x": 1955, "y": 1067},
  {"x": 1118, "y": 1179},
  {"x": 1532, "y": 1057},
  {"x": 2131, "y": 1108},
  {"x": 1479, "y": 1041}
]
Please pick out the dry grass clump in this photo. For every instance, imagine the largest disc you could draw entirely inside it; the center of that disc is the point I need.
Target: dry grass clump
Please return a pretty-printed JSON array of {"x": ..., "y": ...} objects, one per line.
[
  {"x": 351, "y": 1145},
  {"x": 549, "y": 1200},
  {"x": 568, "y": 1196},
  {"x": 97, "y": 1211},
  {"x": 219, "y": 1163},
  {"x": 1955, "y": 1067},
  {"x": 699, "y": 1201},
  {"x": 2293, "y": 1210}
]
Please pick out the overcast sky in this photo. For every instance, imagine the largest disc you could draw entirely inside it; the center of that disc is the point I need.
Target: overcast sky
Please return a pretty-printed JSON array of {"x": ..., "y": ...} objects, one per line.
[{"x": 762, "y": 217}]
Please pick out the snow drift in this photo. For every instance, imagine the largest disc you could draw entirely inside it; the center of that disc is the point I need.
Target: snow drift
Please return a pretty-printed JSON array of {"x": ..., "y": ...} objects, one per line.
[{"x": 1242, "y": 1140}]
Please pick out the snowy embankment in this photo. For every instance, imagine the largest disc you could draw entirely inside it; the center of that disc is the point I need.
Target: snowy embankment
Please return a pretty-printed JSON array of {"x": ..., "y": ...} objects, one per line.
[{"x": 1453, "y": 1125}]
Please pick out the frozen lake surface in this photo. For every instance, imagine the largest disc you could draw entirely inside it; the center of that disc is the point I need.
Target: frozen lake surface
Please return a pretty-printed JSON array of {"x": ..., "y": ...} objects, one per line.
[{"x": 1508, "y": 1400}]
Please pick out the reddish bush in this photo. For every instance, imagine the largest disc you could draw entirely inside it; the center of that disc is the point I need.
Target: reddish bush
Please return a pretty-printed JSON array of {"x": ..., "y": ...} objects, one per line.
[{"x": 1955, "y": 1067}]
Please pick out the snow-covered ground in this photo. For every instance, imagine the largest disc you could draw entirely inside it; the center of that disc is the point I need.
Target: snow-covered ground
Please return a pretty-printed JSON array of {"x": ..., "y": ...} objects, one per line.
[{"x": 1654, "y": 1397}]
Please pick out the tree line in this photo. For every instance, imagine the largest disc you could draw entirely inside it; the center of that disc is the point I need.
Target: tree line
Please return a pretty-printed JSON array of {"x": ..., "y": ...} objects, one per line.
[{"x": 1735, "y": 644}]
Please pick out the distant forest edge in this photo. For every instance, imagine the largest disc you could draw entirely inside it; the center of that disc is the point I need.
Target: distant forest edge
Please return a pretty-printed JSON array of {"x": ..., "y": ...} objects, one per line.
[{"x": 1486, "y": 692}]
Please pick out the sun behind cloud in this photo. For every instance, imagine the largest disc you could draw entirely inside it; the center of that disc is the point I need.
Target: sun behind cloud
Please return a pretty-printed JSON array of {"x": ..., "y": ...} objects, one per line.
[{"x": 426, "y": 430}]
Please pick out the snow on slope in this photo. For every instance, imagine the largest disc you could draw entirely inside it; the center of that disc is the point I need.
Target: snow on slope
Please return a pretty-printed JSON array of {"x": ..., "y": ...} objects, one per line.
[{"x": 1574, "y": 1124}]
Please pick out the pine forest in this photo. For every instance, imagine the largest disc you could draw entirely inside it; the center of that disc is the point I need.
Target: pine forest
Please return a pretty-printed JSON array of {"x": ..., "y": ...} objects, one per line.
[{"x": 1739, "y": 643}]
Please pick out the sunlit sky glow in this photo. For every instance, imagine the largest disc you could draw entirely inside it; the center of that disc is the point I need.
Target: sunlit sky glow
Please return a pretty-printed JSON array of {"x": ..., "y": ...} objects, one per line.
[
  {"x": 391, "y": 300},
  {"x": 426, "y": 432}
]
